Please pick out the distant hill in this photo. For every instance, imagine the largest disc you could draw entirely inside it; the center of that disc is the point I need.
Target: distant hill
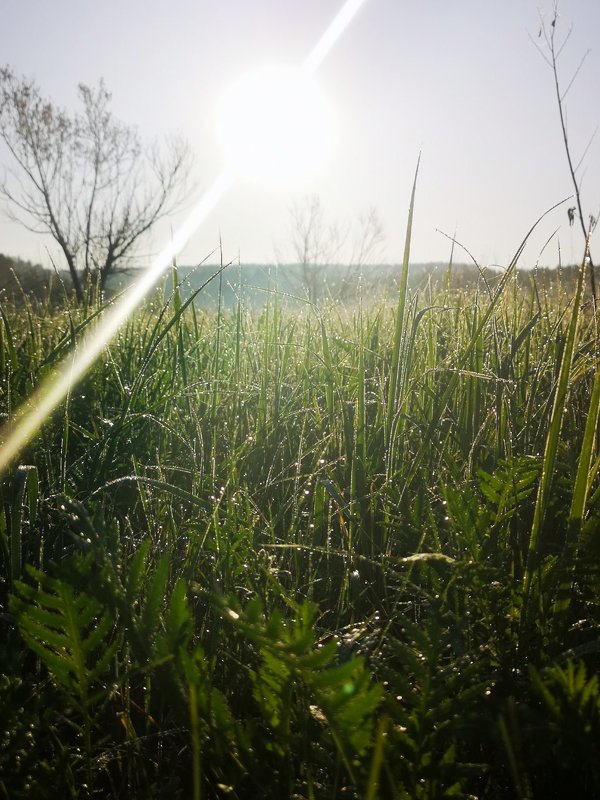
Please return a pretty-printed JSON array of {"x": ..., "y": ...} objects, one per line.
[
  {"x": 255, "y": 281},
  {"x": 335, "y": 281}
]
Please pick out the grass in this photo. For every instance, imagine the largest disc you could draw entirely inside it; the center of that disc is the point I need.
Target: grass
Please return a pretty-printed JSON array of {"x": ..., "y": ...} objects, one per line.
[{"x": 317, "y": 553}]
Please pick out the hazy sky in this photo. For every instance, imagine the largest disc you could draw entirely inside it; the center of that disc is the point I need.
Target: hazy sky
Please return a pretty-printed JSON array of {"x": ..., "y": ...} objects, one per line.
[{"x": 459, "y": 80}]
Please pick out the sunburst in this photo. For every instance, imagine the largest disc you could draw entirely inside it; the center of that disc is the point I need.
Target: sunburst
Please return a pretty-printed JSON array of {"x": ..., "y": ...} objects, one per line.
[{"x": 297, "y": 91}]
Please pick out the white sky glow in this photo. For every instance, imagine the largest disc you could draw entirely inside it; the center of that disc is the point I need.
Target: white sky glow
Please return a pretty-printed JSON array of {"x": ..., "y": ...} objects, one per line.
[
  {"x": 275, "y": 125},
  {"x": 407, "y": 77}
]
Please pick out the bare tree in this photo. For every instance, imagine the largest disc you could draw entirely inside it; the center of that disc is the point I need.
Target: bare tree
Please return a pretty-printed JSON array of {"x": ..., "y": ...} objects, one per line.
[
  {"x": 318, "y": 245},
  {"x": 314, "y": 243},
  {"x": 367, "y": 240},
  {"x": 85, "y": 178}
]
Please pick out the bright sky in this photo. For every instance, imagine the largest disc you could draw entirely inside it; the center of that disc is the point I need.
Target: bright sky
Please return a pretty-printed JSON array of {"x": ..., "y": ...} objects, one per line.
[{"x": 461, "y": 81}]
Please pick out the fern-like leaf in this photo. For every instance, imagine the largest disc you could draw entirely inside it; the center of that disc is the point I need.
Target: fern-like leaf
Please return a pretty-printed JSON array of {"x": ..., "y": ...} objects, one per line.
[{"x": 70, "y": 633}]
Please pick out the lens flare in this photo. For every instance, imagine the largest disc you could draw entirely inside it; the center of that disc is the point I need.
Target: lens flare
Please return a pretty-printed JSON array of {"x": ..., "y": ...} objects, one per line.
[
  {"x": 331, "y": 36},
  {"x": 31, "y": 415}
]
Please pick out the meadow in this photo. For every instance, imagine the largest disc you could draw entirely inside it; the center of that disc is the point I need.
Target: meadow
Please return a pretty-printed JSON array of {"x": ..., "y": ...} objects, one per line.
[{"x": 329, "y": 551}]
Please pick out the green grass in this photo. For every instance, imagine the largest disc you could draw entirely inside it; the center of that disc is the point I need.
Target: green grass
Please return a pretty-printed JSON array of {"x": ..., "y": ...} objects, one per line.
[{"x": 307, "y": 553}]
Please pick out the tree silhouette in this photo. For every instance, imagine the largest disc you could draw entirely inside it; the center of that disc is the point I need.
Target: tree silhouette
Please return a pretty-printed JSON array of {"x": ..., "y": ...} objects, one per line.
[{"x": 84, "y": 178}]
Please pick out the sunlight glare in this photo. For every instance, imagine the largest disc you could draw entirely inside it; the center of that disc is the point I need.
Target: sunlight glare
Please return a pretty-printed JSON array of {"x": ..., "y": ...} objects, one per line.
[
  {"x": 292, "y": 117},
  {"x": 275, "y": 125}
]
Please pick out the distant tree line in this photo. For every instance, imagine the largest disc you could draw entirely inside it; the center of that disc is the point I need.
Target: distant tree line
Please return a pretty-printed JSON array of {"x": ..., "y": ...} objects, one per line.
[
  {"x": 340, "y": 283},
  {"x": 20, "y": 279}
]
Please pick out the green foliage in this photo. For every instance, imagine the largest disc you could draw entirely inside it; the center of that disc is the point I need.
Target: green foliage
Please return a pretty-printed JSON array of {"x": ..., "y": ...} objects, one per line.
[
  {"x": 71, "y": 634},
  {"x": 293, "y": 665},
  {"x": 18, "y": 507},
  {"x": 281, "y": 555},
  {"x": 436, "y": 697},
  {"x": 552, "y": 741}
]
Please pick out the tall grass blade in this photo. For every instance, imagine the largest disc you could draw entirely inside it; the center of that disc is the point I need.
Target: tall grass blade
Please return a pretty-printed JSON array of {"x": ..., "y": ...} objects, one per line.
[{"x": 399, "y": 323}]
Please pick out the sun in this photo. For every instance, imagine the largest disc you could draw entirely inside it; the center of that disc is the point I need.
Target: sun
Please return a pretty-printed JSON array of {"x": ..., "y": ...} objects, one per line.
[{"x": 275, "y": 125}]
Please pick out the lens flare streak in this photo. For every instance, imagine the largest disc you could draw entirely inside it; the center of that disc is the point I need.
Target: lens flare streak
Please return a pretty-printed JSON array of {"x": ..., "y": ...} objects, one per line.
[
  {"x": 46, "y": 398},
  {"x": 331, "y": 36},
  {"x": 32, "y": 414}
]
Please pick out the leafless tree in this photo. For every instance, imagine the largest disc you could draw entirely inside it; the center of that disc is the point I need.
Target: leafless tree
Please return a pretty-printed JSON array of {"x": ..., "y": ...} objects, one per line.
[
  {"x": 314, "y": 243},
  {"x": 318, "y": 245},
  {"x": 367, "y": 240},
  {"x": 84, "y": 178}
]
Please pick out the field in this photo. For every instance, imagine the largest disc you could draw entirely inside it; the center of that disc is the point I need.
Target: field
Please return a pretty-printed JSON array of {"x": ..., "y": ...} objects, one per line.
[{"x": 321, "y": 552}]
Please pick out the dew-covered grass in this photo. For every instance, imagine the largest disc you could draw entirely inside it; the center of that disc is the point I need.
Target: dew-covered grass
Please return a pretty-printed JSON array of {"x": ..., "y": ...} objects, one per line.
[{"x": 308, "y": 552}]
